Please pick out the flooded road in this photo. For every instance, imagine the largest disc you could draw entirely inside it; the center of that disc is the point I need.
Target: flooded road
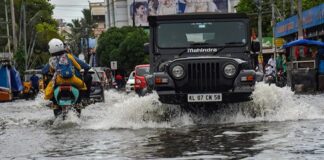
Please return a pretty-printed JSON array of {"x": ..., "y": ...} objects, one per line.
[{"x": 276, "y": 125}]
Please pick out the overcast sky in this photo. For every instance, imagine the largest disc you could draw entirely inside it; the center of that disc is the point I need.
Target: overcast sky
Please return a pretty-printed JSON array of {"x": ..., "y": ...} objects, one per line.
[{"x": 70, "y": 9}]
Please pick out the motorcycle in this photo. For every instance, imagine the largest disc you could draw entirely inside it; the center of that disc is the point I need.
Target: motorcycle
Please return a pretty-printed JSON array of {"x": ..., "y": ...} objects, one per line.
[
  {"x": 66, "y": 99},
  {"x": 269, "y": 79},
  {"x": 281, "y": 79}
]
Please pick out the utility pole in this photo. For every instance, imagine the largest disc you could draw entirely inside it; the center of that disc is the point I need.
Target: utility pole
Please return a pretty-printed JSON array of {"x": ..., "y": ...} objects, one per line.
[
  {"x": 300, "y": 20},
  {"x": 7, "y": 24},
  {"x": 260, "y": 28},
  {"x": 260, "y": 56},
  {"x": 273, "y": 22},
  {"x": 133, "y": 13},
  {"x": 25, "y": 36},
  {"x": 113, "y": 12},
  {"x": 107, "y": 15},
  {"x": 283, "y": 8},
  {"x": 13, "y": 23},
  {"x": 260, "y": 23},
  {"x": 291, "y": 7}
]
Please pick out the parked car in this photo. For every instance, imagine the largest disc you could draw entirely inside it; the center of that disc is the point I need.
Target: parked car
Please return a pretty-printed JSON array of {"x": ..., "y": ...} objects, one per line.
[
  {"x": 102, "y": 76},
  {"x": 130, "y": 82},
  {"x": 140, "y": 83},
  {"x": 97, "y": 89}
]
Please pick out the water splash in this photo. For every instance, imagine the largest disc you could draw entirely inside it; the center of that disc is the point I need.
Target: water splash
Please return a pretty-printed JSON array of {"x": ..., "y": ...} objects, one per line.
[
  {"x": 271, "y": 103},
  {"x": 130, "y": 111}
]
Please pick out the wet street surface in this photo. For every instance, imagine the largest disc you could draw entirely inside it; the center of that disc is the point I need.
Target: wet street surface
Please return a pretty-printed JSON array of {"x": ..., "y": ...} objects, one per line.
[{"x": 277, "y": 124}]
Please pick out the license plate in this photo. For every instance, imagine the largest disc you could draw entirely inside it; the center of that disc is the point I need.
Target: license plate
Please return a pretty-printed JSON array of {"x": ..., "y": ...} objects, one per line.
[{"x": 217, "y": 97}]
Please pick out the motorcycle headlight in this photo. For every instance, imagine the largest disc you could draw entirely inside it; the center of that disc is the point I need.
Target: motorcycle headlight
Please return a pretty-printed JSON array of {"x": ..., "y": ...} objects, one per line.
[
  {"x": 177, "y": 71},
  {"x": 229, "y": 70}
]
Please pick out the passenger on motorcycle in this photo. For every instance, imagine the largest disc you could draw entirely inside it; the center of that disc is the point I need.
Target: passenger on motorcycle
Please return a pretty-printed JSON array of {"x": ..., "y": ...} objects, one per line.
[{"x": 63, "y": 68}]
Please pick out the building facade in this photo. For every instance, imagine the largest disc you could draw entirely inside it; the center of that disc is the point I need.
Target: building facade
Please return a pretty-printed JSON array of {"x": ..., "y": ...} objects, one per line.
[
  {"x": 119, "y": 13},
  {"x": 98, "y": 11}
]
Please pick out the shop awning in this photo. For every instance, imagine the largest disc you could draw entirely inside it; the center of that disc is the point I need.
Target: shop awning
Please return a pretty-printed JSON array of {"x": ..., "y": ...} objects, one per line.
[{"x": 303, "y": 42}]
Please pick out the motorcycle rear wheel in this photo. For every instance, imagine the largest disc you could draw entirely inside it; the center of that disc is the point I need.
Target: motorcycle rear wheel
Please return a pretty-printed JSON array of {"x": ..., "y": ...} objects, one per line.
[{"x": 58, "y": 112}]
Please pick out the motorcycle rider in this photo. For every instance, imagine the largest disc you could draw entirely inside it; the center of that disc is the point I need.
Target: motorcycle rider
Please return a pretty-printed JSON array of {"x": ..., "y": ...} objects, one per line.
[
  {"x": 269, "y": 73},
  {"x": 64, "y": 68}
]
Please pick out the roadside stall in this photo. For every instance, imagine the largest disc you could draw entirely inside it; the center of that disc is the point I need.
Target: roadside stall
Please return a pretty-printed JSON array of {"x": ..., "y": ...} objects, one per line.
[
  {"x": 10, "y": 83},
  {"x": 305, "y": 66}
]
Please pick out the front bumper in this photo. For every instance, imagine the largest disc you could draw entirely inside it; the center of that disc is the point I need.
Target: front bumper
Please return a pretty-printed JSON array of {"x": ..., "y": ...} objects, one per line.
[
  {"x": 179, "y": 98},
  {"x": 232, "y": 90}
]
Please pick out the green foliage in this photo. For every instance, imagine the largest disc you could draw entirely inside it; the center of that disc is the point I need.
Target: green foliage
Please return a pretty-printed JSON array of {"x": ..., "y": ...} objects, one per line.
[
  {"x": 45, "y": 32},
  {"x": 41, "y": 27},
  {"x": 80, "y": 29},
  {"x": 19, "y": 57},
  {"x": 307, "y": 4},
  {"x": 124, "y": 45}
]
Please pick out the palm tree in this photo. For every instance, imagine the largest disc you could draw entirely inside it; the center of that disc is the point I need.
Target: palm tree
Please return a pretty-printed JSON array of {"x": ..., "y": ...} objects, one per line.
[{"x": 80, "y": 29}]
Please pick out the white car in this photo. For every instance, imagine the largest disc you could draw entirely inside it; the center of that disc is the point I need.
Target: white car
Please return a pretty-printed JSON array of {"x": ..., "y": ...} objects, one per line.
[{"x": 130, "y": 83}]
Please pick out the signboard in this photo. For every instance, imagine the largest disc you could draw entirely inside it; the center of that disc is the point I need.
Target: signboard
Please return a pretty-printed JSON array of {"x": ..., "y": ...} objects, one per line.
[
  {"x": 267, "y": 42},
  {"x": 311, "y": 18},
  {"x": 279, "y": 42},
  {"x": 139, "y": 10},
  {"x": 113, "y": 65}
]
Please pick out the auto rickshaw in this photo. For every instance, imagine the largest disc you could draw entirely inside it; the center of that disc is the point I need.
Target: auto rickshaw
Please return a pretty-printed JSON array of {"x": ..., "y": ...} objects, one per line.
[
  {"x": 28, "y": 91},
  {"x": 305, "y": 66}
]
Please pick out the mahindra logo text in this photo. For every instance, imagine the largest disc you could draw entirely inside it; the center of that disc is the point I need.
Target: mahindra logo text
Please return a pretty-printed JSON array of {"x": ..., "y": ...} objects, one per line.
[{"x": 197, "y": 50}]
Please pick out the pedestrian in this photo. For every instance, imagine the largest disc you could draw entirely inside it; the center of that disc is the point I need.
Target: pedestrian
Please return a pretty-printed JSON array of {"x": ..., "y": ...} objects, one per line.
[
  {"x": 119, "y": 80},
  {"x": 272, "y": 62},
  {"x": 279, "y": 62},
  {"x": 34, "y": 83}
]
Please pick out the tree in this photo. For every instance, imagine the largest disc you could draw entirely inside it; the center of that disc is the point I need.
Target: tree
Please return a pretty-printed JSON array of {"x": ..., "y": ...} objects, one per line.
[
  {"x": 250, "y": 7},
  {"x": 80, "y": 29},
  {"x": 74, "y": 38},
  {"x": 40, "y": 28},
  {"x": 124, "y": 45}
]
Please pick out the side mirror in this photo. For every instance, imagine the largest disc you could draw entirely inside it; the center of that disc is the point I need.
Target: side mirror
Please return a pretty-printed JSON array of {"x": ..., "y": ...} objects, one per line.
[
  {"x": 255, "y": 46},
  {"x": 133, "y": 74},
  {"x": 147, "y": 48}
]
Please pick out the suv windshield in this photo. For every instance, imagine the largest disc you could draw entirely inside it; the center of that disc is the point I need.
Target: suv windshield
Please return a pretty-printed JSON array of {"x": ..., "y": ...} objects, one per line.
[
  {"x": 188, "y": 34},
  {"x": 141, "y": 71}
]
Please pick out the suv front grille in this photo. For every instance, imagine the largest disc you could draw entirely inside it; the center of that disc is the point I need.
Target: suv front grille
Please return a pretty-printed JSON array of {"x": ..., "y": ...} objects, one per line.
[{"x": 203, "y": 76}]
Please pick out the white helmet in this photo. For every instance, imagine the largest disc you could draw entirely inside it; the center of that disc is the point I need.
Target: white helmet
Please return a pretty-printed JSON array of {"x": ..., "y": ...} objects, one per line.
[{"x": 55, "y": 46}]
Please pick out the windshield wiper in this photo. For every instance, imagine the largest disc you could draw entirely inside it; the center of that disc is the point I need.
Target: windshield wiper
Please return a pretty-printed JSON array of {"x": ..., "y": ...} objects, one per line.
[
  {"x": 198, "y": 43},
  {"x": 227, "y": 44},
  {"x": 182, "y": 52}
]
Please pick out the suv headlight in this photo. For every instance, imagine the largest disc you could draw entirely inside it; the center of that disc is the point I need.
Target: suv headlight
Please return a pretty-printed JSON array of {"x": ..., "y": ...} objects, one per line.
[
  {"x": 229, "y": 70},
  {"x": 177, "y": 71}
]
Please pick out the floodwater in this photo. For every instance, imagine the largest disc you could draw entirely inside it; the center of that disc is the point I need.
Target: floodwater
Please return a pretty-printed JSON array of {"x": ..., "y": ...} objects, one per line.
[{"x": 276, "y": 125}]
